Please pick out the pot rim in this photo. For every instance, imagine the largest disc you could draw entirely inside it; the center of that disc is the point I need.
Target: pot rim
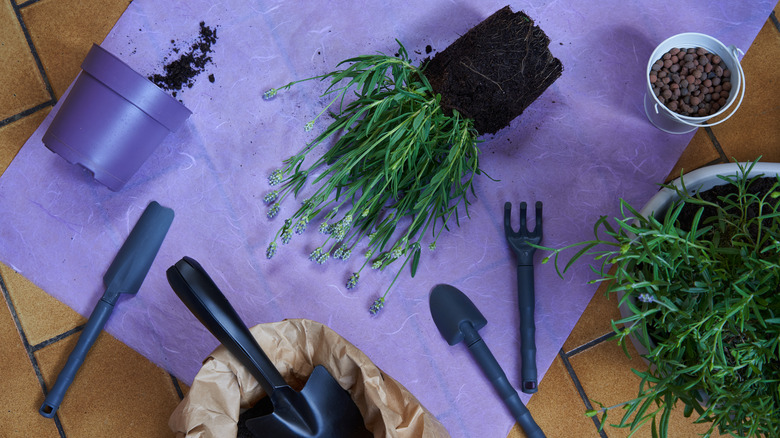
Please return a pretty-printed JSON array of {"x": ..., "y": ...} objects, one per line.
[
  {"x": 703, "y": 178},
  {"x": 120, "y": 78}
]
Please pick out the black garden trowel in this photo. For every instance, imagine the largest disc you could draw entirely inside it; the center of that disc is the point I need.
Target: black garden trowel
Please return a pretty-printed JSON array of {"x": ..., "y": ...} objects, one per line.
[
  {"x": 323, "y": 409},
  {"x": 459, "y": 320}
]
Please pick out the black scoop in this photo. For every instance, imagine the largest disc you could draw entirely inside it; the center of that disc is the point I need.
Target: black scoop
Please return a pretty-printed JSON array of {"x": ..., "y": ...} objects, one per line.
[{"x": 323, "y": 409}]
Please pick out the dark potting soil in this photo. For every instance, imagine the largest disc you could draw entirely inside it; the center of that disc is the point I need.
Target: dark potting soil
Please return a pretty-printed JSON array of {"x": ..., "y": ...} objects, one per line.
[
  {"x": 182, "y": 71},
  {"x": 760, "y": 186},
  {"x": 495, "y": 71}
]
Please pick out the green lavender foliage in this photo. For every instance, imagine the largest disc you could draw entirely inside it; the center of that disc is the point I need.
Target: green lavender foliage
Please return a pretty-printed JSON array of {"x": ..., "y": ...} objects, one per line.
[
  {"x": 398, "y": 167},
  {"x": 706, "y": 305}
]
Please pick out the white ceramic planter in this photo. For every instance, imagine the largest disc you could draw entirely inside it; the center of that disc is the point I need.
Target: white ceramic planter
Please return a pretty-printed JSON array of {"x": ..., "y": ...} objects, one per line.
[{"x": 698, "y": 180}]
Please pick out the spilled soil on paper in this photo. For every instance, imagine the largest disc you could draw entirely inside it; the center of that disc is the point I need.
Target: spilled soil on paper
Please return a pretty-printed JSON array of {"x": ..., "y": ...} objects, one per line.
[{"x": 181, "y": 72}]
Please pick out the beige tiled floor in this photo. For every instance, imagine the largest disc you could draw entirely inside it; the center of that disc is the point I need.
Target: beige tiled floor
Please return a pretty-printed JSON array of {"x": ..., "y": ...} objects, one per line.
[{"x": 119, "y": 393}]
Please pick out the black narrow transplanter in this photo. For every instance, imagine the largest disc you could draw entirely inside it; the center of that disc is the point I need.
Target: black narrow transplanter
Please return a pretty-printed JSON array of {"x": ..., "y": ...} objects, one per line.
[{"x": 182, "y": 71}]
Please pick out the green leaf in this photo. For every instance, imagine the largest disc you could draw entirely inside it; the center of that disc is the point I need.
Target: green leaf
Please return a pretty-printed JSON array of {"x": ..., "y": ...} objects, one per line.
[{"x": 415, "y": 261}]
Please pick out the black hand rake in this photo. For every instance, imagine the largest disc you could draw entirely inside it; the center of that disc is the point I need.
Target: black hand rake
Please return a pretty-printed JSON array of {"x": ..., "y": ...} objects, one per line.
[{"x": 521, "y": 243}]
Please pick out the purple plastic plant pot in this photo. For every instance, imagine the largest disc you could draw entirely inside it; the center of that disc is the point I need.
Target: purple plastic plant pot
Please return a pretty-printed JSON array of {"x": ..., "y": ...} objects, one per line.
[{"x": 112, "y": 119}]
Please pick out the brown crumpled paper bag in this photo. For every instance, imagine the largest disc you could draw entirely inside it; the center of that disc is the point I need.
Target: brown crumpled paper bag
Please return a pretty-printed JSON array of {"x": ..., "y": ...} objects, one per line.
[{"x": 223, "y": 387}]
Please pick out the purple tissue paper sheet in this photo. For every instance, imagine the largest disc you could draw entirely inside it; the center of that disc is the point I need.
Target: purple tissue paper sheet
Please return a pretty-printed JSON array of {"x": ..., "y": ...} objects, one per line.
[{"x": 583, "y": 145}]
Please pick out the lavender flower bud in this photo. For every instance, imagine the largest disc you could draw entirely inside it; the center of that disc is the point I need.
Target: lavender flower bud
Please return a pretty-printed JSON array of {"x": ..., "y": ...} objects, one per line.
[
  {"x": 275, "y": 177},
  {"x": 300, "y": 226},
  {"x": 646, "y": 298},
  {"x": 271, "y": 197},
  {"x": 268, "y": 95},
  {"x": 322, "y": 257},
  {"x": 286, "y": 236},
  {"x": 353, "y": 279},
  {"x": 377, "y": 306},
  {"x": 273, "y": 211},
  {"x": 271, "y": 251}
]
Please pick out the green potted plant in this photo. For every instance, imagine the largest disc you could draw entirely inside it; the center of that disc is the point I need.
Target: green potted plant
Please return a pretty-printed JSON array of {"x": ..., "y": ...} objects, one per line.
[{"x": 697, "y": 273}]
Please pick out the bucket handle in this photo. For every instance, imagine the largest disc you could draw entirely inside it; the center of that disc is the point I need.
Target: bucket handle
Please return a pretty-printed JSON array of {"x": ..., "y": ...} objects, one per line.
[{"x": 741, "y": 75}]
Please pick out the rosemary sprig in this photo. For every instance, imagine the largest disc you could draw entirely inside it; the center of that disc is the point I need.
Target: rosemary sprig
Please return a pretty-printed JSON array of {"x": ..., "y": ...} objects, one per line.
[
  {"x": 704, "y": 300},
  {"x": 399, "y": 167}
]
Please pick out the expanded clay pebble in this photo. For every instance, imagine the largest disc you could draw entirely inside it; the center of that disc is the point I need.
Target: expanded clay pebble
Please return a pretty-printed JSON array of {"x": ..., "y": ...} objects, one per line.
[
  {"x": 691, "y": 82},
  {"x": 181, "y": 72}
]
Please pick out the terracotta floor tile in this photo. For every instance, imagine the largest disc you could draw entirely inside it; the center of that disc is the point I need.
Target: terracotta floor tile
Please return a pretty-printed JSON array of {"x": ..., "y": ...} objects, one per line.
[
  {"x": 605, "y": 374},
  {"x": 15, "y": 134},
  {"x": 63, "y": 32},
  {"x": 557, "y": 408},
  {"x": 699, "y": 152},
  {"x": 20, "y": 390},
  {"x": 117, "y": 392},
  {"x": 755, "y": 128},
  {"x": 23, "y": 86},
  {"x": 595, "y": 320},
  {"x": 42, "y": 317}
]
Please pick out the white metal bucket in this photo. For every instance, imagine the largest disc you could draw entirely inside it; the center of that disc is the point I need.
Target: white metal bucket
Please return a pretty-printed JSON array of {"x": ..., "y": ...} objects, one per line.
[{"x": 667, "y": 120}]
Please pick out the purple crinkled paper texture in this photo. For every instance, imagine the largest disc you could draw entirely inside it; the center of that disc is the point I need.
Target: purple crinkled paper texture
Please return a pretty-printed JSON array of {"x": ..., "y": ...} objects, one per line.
[{"x": 580, "y": 147}]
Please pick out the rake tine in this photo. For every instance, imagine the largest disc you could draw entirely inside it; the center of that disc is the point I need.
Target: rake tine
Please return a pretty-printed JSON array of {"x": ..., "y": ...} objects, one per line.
[
  {"x": 523, "y": 226},
  {"x": 538, "y": 227},
  {"x": 508, "y": 219}
]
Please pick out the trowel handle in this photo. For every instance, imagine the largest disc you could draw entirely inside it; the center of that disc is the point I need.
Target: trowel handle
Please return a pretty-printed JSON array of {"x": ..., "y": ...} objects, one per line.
[
  {"x": 204, "y": 299},
  {"x": 497, "y": 377},
  {"x": 526, "y": 302},
  {"x": 88, "y": 336}
]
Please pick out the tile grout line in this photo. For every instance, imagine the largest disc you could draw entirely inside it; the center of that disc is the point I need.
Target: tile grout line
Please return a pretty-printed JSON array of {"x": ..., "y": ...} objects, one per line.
[
  {"x": 57, "y": 338},
  {"x": 176, "y": 386},
  {"x": 27, "y": 3},
  {"x": 17, "y": 10},
  {"x": 581, "y": 391},
  {"x": 28, "y": 349},
  {"x": 773, "y": 18},
  {"x": 716, "y": 144},
  {"x": 589, "y": 344},
  {"x": 26, "y": 113}
]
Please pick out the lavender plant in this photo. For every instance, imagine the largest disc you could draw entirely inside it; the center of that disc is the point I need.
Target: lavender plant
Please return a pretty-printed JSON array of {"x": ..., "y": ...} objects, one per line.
[
  {"x": 398, "y": 167},
  {"x": 704, "y": 300}
]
